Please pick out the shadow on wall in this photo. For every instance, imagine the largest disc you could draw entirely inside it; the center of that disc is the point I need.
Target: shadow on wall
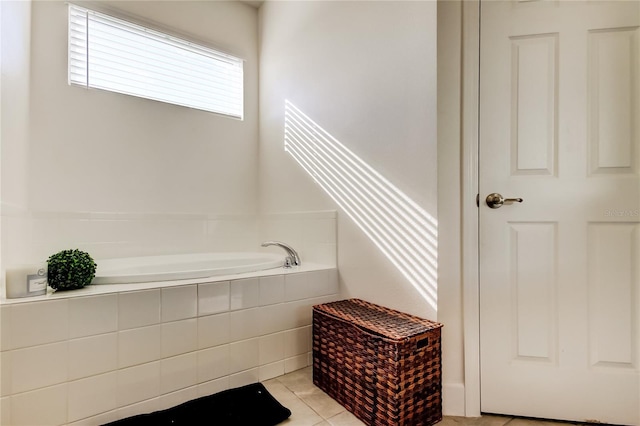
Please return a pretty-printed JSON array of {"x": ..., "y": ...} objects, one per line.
[{"x": 399, "y": 228}]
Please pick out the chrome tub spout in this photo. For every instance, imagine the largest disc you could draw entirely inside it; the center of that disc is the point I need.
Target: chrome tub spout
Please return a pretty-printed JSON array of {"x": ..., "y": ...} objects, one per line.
[{"x": 292, "y": 258}]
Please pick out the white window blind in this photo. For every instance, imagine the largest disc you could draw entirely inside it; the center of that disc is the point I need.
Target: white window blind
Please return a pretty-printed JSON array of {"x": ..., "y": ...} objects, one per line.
[{"x": 111, "y": 54}]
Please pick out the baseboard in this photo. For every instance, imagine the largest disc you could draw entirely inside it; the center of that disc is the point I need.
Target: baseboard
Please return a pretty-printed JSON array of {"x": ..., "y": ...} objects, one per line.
[{"x": 453, "y": 399}]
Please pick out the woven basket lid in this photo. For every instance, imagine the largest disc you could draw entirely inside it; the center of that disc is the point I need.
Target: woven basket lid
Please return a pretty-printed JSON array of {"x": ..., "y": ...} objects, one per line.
[{"x": 378, "y": 319}]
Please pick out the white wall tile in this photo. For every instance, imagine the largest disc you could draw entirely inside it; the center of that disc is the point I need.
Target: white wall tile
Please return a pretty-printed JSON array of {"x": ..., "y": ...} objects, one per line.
[
  {"x": 138, "y": 383},
  {"x": 179, "y": 303},
  {"x": 93, "y": 355},
  {"x": 271, "y": 290},
  {"x": 298, "y": 313},
  {"x": 213, "y": 386},
  {"x": 16, "y": 234},
  {"x": 5, "y": 327},
  {"x": 38, "y": 323},
  {"x": 91, "y": 396},
  {"x": 233, "y": 229},
  {"x": 213, "y": 298},
  {"x": 273, "y": 318},
  {"x": 269, "y": 371},
  {"x": 259, "y": 348},
  {"x": 231, "y": 245},
  {"x": 244, "y": 378},
  {"x": 244, "y": 293},
  {"x": 179, "y": 337},
  {"x": 5, "y": 373},
  {"x": 334, "y": 280},
  {"x": 146, "y": 406},
  {"x": 304, "y": 311},
  {"x": 297, "y": 341},
  {"x": 84, "y": 230},
  {"x": 186, "y": 233},
  {"x": 105, "y": 250},
  {"x": 296, "y": 286},
  {"x": 176, "y": 398},
  {"x": 324, "y": 299},
  {"x": 271, "y": 348},
  {"x": 39, "y": 366},
  {"x": 319, "y": 284},
  {"x": 100, "y": 419},
  {"x": 51, "y": 230},
  {"x": 288, "y": 230},
  {"x": 47, "y": 406},
  {"x": 243, "y": 355},
  {"x": 138, "y": 309},
  {"x": 178, "y": 372},
  {"x": 139, "y": 345},
  {"x": 5, "y": 411},
  {"x": 128, "y": 229},
  {"x": 93, "y": 315},
  {"x": 244, "y": 324},
  {"x": 295, "y": 363},
  {"x": 213, "y": 363},
  {"x": 213, "y": 330}
]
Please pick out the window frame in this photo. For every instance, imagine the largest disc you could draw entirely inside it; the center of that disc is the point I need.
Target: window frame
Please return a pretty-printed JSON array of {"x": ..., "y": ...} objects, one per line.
[{"x": 233, "y": 71}]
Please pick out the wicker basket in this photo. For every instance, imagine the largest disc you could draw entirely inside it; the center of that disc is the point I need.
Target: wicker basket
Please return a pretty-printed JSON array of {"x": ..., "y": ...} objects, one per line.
[{"x": 382, "y": 365}]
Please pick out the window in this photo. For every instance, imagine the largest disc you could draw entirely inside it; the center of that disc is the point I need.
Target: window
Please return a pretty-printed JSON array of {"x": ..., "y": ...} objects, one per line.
[{"x": 111, "y": 54}]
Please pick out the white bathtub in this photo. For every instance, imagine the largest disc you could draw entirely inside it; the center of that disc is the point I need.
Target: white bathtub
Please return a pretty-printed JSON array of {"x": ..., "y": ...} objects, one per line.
[{"x": 181, "y": 266}]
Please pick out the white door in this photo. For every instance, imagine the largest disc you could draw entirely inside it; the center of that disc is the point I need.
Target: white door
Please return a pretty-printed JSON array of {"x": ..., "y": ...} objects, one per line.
[{"x": 560, "y": 272}]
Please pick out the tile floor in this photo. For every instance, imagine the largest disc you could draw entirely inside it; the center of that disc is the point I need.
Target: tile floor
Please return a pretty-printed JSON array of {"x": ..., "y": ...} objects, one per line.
[{"x": 312, "y": 407}]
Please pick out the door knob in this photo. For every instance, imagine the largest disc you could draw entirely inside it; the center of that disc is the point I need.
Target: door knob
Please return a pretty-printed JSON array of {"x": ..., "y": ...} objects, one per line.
[{"x": 495, "y": 200}]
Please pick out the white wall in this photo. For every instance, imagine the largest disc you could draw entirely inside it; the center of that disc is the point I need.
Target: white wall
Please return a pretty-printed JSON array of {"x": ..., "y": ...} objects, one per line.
[
  {"x": 126, "y": 154},
  {"x": 16, "y": 69},
  {"x": 113, "y": 174},
  {"x": 365, "y": 72}
]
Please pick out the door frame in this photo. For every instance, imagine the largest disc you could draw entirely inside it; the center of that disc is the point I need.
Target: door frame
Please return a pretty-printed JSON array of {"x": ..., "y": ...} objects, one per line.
[{"x": 470, "y": 211}]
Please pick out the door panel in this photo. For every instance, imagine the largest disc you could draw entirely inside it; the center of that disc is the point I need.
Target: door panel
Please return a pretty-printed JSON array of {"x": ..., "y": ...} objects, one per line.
[
  {"x": 612, "y": 129},
  {"x": 613, "y": 251},
  {"x": 559, "y": 291},
  {"x": 534, "y": 96},
  {"x": 533, "y": 289}
]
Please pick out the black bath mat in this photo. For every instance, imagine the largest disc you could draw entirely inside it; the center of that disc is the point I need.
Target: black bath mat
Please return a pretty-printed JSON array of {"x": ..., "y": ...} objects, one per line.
[{"x": 249, "y": 405}]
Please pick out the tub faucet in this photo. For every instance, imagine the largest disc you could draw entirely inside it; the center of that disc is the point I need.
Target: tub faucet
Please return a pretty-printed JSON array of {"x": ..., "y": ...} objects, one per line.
[{"x": 292, "y": 258}]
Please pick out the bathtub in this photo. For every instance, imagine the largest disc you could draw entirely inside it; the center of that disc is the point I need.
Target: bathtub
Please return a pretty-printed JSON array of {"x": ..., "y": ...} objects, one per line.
[{"x": 182, "y": 266}]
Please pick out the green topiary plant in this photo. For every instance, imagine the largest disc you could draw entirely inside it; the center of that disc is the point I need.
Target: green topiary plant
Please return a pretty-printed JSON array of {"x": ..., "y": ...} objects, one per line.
[{"x": 70, "y": 269}]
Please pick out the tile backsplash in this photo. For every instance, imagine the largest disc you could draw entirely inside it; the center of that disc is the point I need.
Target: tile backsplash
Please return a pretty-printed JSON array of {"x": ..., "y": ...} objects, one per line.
[
  {"x": 31, "y": 237},
  {"x": 36, "y": 236},
  {"x": 95, "y": 359}
]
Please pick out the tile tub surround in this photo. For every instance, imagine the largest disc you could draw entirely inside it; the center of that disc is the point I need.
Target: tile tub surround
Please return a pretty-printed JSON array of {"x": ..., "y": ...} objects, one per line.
[
  {"x": 96, "y": 358},
  {"x": 33, "y": 236}
]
